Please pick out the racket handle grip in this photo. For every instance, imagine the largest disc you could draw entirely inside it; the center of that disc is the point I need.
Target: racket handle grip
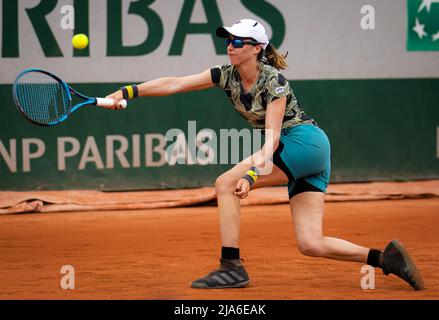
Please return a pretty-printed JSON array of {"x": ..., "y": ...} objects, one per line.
[{"x": 103, "y": 102}]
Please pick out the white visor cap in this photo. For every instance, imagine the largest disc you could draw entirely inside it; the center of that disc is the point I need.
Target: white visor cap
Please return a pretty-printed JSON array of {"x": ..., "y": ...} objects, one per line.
[{"x": 245, "y": 28}]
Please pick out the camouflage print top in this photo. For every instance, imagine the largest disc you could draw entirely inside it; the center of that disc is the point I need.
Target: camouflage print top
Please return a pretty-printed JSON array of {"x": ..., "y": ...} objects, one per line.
[{"x": 270, "y": 85}]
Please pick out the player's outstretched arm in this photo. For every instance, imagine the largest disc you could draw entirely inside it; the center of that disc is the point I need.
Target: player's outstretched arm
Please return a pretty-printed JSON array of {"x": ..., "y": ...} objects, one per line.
[
  {"x": 168, "y": 86},
  {"x": 172, "y": 85}
]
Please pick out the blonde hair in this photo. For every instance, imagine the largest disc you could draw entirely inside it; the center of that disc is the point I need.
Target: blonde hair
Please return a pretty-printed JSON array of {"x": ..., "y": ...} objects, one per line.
[{"x": 273, "y": 58}]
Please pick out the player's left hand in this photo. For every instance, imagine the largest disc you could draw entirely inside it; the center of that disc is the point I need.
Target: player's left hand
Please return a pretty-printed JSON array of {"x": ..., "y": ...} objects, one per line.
[{"x": 242, "y": 188}]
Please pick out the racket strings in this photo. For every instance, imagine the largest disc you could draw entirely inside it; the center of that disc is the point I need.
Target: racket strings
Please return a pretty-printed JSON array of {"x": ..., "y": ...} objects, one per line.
[{"x": 42, "y": 98}]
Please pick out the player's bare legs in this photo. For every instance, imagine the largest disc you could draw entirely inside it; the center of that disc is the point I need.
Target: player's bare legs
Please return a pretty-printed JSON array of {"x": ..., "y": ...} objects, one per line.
[
  {"x": 229, "y": 207},
  {"x": 307, "y": 214},
  {"x": 231, "y": 273}
]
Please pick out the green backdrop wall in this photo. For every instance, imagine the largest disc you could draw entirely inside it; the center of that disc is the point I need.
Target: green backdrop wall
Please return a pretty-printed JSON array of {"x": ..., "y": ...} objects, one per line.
[{"x": 379, "y": 130}]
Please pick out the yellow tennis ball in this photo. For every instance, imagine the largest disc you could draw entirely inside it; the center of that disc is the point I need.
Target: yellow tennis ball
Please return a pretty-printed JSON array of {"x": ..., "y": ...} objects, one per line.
[{"x": 80, "y": 41}]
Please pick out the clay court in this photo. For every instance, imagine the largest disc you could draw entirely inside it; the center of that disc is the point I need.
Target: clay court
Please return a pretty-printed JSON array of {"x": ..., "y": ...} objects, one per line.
[
  {"x": 156, "y": 253},
  {"x": 341, "y": 92}
]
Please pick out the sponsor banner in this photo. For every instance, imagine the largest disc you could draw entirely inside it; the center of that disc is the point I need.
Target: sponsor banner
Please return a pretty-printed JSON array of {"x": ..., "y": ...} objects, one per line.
[{"x": 132, "y": 41}]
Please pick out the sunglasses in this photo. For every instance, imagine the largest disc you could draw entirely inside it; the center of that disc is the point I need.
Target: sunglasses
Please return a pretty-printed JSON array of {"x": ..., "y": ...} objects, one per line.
[{"x": 237, "y": 43}]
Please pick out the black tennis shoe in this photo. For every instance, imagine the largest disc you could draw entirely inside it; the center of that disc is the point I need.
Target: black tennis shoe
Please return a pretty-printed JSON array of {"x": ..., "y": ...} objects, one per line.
[
  {"x": 396, "y": 260},
  {"x": 230, "y": 274}
]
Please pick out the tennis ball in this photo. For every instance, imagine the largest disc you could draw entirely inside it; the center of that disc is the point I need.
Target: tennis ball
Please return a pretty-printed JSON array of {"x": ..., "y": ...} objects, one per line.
[{"x": 80, "y": 41}]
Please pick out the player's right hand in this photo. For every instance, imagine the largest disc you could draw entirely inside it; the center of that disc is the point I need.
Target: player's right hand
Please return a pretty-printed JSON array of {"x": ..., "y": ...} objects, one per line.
[
  {"x": 242, "y": 188},
  {"x": 116, "y": 97}
]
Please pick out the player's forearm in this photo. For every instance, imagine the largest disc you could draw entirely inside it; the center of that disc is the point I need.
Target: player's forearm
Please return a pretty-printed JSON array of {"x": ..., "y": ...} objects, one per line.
[
  {"x": 271, "y": 144},
  {"x": 159, "y": 87},
  {"x": 268, "y": 149}
]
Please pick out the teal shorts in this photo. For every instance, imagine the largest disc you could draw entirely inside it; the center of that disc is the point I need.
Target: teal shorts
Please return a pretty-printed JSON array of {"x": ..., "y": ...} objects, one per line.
[{"x": 304, "y": 155}]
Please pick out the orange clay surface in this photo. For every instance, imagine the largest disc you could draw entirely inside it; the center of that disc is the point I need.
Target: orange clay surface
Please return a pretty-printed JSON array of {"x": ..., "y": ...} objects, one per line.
[{"x": 155, "y": 254}]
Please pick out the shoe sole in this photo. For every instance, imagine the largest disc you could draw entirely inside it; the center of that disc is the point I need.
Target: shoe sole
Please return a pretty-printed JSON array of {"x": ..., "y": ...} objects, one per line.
[
  {"x": 416, "y": 277},
  {"x": 205, "y": 286}
]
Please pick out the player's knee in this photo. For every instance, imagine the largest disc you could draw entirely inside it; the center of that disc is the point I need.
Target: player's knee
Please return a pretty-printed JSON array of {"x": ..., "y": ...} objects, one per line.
[
  {"x": 311, "y": 247},
  {"x": 224, "y": 184}
]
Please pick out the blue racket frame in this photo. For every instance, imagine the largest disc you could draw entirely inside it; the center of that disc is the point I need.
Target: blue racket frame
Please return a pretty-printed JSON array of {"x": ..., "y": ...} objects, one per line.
[{"x": 69, "y": 90}]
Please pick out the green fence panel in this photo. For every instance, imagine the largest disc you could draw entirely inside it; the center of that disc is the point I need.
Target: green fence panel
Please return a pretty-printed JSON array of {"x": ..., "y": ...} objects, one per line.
[{"x": 379, "y": 130}]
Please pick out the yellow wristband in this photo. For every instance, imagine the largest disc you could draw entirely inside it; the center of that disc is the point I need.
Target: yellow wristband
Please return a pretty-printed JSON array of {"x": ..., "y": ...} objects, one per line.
[
  {"x": 130, "y": 92},
  {"x": 253, "y": 175}
]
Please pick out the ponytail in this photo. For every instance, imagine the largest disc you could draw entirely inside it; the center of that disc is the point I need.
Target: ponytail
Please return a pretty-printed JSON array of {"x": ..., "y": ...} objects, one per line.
[{"x": 273, "y": 58}]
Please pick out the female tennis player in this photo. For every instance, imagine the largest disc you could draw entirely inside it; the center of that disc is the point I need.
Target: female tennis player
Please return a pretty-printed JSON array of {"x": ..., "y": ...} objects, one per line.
[{"x": 298, "y": 148}]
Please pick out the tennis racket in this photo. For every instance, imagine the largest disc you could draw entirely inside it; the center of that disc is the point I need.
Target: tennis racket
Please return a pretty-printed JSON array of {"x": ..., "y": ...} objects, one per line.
[{"x": 45, "y": 99}]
